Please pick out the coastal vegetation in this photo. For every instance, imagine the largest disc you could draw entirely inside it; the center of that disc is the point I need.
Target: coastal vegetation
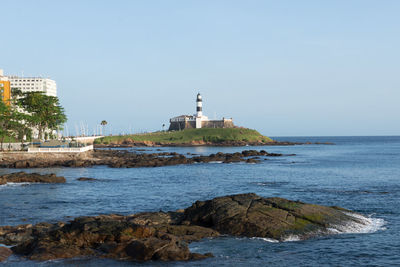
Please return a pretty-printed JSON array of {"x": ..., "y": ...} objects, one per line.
[
  {"x": 190, "y": 136},
  {"x": 28, "y": 111},
  {"x": 43, "y": 112}
]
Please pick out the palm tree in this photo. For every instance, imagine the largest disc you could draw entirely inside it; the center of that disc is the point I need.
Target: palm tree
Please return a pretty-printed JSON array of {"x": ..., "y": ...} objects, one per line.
[{"x": 103, "y": 123}]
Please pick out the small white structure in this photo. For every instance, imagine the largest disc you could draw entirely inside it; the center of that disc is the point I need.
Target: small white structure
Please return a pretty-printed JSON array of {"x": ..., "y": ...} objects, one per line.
[{"x": 59, "y": 149}]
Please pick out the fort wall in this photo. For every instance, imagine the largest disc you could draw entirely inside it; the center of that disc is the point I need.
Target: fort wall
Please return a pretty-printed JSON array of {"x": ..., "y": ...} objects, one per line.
[{"x": 181, "y": 125}]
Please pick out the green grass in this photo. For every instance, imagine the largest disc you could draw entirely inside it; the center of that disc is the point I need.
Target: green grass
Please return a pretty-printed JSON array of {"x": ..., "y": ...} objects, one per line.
[{"x": 214, "y": 135}]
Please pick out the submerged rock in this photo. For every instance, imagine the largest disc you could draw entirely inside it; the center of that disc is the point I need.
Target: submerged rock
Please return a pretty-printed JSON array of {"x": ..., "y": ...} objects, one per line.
[
  {"x": 23, "y": 177},
  {"x": 164, "y": 235},
  {"x": 5, "y": 253},
  {"x": 86, "y": 179}
]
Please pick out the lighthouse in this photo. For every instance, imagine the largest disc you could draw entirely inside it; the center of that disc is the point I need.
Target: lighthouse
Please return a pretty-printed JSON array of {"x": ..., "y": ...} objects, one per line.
[
  {"x": 198, "y": 120},
  {"x": 199, "y": 106}
]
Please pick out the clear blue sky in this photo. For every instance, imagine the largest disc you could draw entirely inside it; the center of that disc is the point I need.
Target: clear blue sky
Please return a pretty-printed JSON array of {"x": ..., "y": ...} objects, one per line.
[{"x": 282, "y": 67}]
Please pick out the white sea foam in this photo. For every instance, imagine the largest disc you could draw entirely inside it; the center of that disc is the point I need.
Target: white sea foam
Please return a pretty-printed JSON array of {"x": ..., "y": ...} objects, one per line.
[
  {"x": 266, "y": 239},
  {"x": 291, "y": 238},
  {"x": 215, "y": 162},
  {"x": 13, "y": 184},
  {"x": 361, "y": 225}
]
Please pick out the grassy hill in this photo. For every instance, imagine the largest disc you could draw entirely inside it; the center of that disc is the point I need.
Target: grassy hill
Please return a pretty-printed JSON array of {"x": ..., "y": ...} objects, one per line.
[{"x": 188, "y": 136}]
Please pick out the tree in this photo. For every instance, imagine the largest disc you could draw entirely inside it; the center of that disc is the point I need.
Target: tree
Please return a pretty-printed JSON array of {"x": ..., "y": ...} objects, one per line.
[
  {"x": 103, "y": 123},
  {"x": 4, "y": 131},
  {"x": 45, "y": 112},
  {"x": 10, "y": 122}
]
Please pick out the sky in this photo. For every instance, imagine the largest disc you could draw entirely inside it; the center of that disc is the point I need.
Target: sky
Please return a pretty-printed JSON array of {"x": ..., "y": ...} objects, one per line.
[{"x": 285, "y": 68}]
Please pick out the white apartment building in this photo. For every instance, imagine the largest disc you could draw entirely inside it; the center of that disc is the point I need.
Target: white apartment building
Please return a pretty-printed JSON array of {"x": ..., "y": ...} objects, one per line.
[
  {"x": 34, "y": 84},
  {"x": 2, "y": 77},
  {"x": 31, "y": 84}
]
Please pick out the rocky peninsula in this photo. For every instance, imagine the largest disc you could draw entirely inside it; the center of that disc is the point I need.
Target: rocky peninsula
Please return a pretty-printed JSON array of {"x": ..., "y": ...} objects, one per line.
[
  {"x": 123, "y": 159},
  {"x": 195, "y": 137},
  {"x": 164, "y": 235}
]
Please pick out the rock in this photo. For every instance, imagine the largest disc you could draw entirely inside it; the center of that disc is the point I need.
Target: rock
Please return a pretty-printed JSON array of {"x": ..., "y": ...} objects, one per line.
[
  {"x": 165, "y": 248},
  {"x": 21, "y": 164},
  {"x": 124, "y": 159},
  {"x": 253, "y": 216},
  {"x": 198, "y": 256},
  {"x": 189, "y": 233},
  {"x": 113, "y": 236},
  {"x": 128, "y": 142},
  {"x": 5, "y": 253},
  {"x": 86, "y": 179},
  {"x": 252, "y": 161},
  {"x": 22, "y": 177},
  {"x": 164, "y": 235}
]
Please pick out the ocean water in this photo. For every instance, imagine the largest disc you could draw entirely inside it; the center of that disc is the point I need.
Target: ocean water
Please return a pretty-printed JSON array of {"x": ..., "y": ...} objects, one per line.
[{"x": 357, "y": 173}]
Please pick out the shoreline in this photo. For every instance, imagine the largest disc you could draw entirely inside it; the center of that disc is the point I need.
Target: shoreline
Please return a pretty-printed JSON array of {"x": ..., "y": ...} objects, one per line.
[
  {"x": 125, "y": 159},
  {"x": 211, "y": 144}
]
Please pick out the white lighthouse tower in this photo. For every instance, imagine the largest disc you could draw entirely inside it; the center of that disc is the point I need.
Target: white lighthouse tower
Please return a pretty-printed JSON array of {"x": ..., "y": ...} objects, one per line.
[
  {"x": 199, "y": 106},
  {"x": 199, "y": 111}
]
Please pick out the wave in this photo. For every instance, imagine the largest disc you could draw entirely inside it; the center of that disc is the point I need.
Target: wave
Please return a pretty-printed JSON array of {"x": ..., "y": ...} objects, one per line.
[
  {"x": 360, "y": 225},
  {"x": 14, "y": 184},
  {"x": 266, "y": 239},
  {"x": 270, "y": 183},
  {"x": 291, "y": 238}
]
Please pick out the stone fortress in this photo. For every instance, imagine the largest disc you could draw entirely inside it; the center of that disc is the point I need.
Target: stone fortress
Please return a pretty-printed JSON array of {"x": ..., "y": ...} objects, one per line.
[{"x": 198, "y": 120}]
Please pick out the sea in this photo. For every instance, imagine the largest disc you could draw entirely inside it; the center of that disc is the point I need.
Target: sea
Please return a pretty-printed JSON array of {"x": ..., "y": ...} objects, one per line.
[{"x": 357, "y": 173}]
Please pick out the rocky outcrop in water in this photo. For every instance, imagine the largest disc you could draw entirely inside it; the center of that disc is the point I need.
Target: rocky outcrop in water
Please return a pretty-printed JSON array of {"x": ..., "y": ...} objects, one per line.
[
  {"x": 5, "y": 253},
  {"x": 86, "y": 179},
  {"x": 132, "y": 143},
  {"x": 254, "y": 216},
  {"x": 23, "y": 177},
  {"x": 164, "y": 235},
  {"x": 124, "y": 159}
]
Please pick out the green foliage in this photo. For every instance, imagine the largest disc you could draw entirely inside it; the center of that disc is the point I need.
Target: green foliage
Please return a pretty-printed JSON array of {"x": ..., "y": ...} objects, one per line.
[
  {"x": 45, "y": 112},
  {"x": 11, "y": 126},
  {"x": 39, "y": 110},
  {"x": 214, "y": 135}
]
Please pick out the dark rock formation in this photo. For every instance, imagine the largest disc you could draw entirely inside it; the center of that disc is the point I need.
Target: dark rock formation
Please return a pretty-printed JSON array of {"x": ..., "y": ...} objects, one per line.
[
  {"x": 86, "y": 179},
  {"x": 131, "y": 143},
  {"x": 164, "y": 235},
  {"x": 22, "y": 177},
  {"x": 253, "y": 216},
  {"x": 5, "y": 253},
  {"x": 113, "y": 236},
  {"x": 125, "y": 159}
]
